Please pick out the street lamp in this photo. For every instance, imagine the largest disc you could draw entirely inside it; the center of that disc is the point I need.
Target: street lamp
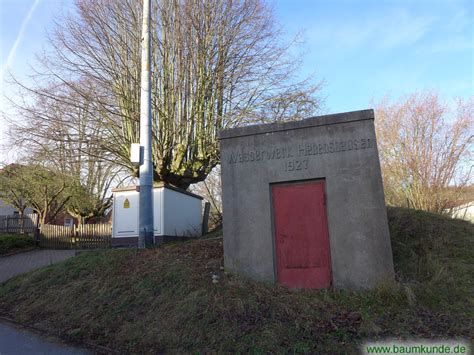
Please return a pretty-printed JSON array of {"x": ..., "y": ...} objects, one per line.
[{"x": 145, "y": 223}]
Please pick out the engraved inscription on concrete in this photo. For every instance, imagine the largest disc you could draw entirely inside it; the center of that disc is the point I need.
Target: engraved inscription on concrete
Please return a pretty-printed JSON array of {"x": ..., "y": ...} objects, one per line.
[
  {"x": 293, "y": 165},
  {"x": 299, "y": 150}
]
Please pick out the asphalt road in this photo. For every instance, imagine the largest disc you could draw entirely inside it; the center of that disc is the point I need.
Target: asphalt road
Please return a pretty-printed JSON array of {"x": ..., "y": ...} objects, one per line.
[
  {"x": 15, "y": 340},
  {"x": 18, "y": 341},
  {"x": 17, "y": 264}
]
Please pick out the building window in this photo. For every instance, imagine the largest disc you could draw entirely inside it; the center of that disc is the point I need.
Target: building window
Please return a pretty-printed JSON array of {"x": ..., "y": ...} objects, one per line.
[{"x": 68, "y": 222}]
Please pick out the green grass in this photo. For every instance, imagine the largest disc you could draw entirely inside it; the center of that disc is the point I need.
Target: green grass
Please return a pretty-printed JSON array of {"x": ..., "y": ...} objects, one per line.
[
  {"x": 15, "y": 242},
  {"x": 163, "y": 299}
]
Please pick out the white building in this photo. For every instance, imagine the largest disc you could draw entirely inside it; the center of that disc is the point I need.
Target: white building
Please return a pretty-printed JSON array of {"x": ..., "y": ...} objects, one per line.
[
  {"x": 464, "y": 211},
  {"x": 8, "y": 210},
  {"x": 177, "y": 214}
]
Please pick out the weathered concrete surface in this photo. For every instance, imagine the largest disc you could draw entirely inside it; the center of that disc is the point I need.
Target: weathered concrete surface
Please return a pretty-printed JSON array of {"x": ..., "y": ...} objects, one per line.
[
  {"x": 339, "y": 148},
  {"x": 17, "y": 264}
]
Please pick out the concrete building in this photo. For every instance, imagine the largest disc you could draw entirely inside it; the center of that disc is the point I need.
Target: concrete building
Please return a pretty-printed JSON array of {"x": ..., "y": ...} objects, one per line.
[{"x": 303, "y": 203}]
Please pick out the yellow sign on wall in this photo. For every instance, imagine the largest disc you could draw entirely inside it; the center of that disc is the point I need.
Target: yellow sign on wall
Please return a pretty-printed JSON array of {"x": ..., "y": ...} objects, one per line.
[{"x": 126, "y": 203}]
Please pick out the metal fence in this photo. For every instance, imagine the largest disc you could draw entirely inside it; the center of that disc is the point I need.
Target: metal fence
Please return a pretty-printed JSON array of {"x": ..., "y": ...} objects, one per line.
[{"x": 19, "y": 224}]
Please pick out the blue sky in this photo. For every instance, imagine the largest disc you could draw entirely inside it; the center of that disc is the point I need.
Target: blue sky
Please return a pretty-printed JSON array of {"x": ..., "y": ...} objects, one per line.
[
  {"x": 368, "y": 49},
  {"x": 364, "y": 50}
]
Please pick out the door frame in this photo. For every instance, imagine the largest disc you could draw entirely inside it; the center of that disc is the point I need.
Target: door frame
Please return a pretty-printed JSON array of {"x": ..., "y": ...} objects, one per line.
[{"x": 272, "y": 219}]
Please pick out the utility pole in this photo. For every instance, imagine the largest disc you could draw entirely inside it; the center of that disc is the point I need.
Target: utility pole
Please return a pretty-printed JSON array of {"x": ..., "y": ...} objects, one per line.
[{"x": 145, "y": 233}]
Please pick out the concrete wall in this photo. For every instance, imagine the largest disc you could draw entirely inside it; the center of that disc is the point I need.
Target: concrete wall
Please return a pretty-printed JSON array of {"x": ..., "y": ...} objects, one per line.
[{"x": 339, "y": 148}]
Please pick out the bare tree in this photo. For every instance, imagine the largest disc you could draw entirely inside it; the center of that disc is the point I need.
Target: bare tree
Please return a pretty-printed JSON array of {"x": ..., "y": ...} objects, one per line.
[
  {"x": 216, "y": 64},
  {"x": 425, "y": 150},
  {"x": 211, "y": 190},
  {"x": 61, "y": 132}
]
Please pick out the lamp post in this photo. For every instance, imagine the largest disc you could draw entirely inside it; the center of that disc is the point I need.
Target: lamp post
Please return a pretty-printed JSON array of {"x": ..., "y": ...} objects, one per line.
[{"x": 145, "y": 233}]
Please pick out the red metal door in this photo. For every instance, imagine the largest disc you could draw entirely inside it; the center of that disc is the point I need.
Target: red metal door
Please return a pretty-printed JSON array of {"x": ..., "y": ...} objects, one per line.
[{"x": 301, "y": 235}]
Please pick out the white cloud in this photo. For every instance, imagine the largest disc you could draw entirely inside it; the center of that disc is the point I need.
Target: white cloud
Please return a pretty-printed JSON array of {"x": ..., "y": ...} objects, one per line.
[
  {"x": 453, "y": 44},
  {"x": 389, "y": 31},
  {"x": 402, "y": 29},
  {"x": 19, "y": 38}
]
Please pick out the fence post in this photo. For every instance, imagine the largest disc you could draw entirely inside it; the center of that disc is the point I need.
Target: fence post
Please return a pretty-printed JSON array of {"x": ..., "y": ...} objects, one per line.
[
  {"x": 37, "y": 231},
  {"x": 205, "y": 217},
  {"x": 77, "y": 233},
  {"x": 22, "y": 223}
]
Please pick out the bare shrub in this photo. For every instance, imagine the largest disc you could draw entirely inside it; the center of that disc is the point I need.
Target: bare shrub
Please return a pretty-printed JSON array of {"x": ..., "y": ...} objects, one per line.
[{"x": 425, "y": 148}]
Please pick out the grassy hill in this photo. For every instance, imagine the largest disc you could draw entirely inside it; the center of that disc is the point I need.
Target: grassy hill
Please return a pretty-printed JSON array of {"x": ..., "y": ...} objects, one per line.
[{"x": 163, "y": 299}]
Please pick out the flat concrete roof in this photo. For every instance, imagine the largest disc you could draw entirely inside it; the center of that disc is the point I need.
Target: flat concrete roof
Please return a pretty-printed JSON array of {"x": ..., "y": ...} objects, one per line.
[
  {"x": 308, "y": 122},
  {"x": 157, "y": 185}
]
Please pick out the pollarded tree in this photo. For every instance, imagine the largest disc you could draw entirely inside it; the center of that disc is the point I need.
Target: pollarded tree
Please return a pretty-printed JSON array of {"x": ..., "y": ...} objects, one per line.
[
  {"x": 425, "y": 150},
  {"x": 216, "y": 64}
]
